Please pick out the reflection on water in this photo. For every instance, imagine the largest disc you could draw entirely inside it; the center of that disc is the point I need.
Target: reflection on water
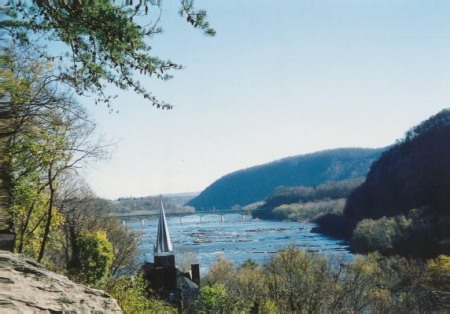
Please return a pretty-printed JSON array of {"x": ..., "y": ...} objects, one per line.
[{"x": 238, "y": 238}]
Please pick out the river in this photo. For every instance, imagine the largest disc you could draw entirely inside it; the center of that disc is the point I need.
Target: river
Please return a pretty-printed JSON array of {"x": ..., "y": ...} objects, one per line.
[{"x": 236, "y": 238}]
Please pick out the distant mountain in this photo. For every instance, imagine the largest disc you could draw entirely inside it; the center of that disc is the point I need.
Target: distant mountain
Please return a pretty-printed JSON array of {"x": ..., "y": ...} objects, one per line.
[
  {"x": 256, "y": 183},
  {"x": 404, "y": 204}
]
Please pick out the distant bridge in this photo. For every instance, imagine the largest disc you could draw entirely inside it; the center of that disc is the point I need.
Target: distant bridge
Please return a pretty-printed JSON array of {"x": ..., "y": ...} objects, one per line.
[{"x": 148, "y": 216}]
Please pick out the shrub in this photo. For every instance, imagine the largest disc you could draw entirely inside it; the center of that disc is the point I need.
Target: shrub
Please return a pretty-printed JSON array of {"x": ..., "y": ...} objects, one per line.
[
  {"x": 380, "y": 235},
  {"x": 94, "y": 258},
  {"x": 132, "y": 296}
]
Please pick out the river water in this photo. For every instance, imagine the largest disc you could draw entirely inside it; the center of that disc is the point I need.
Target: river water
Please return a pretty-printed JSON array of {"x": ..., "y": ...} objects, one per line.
[{"x": 237, "y": 238}]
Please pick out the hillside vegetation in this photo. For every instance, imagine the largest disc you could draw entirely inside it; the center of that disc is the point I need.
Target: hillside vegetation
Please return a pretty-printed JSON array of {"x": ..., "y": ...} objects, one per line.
[
  {"x": 404, "y": 204},
  {"x": 307, "y": 203},
  {"x": 295, "y": 281},
  {"x": 257, "y": 183}
]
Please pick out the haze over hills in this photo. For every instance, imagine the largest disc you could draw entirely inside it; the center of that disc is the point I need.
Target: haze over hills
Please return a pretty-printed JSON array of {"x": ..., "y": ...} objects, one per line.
[{"x": 254, "y": 184}]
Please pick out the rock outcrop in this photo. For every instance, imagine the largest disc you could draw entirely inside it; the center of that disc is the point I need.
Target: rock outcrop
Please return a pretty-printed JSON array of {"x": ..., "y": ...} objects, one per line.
[{"x": 28, "y": 287}]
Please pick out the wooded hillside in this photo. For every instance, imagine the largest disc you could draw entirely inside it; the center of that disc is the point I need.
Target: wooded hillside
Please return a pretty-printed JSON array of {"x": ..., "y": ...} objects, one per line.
[
  {"x": 404, "y": 204},
  {"x": 307, "y": 203},
  {"x": 257, "y": 183}
]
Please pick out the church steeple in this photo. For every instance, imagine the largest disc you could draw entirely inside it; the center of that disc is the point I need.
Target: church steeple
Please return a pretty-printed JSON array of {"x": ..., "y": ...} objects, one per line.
[
  {"x": 173, "y": 285},
  {"x": 163, "y": 245}
]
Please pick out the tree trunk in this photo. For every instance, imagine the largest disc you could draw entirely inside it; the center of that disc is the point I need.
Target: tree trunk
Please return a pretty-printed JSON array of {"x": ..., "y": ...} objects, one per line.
[
  {"x": 49, "y": 215},
  {"x": 74, "y": 262},
  {"x": 24, "y": 228},
  {"x": 7, "y": 238}
]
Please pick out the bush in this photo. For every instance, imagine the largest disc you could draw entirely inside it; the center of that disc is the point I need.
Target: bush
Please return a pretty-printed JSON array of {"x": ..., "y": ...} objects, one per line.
[
  {"x": 213, "y": 297},
  {"x": 380, "y": 235},
  {"x": 94, "y": 258},
  {"x": 310, "y": 211},
  {"x": 299, "y": 281},
  {"x": 132, "y": 296},
  {"x": 245, "y": 288}
]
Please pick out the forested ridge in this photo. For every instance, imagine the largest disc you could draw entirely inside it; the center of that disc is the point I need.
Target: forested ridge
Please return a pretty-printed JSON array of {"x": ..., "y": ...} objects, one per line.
[
  {"x": 401, "y": 207},
  {"x": 404, "y": 204},
  {"x": 254, "y": 184}
]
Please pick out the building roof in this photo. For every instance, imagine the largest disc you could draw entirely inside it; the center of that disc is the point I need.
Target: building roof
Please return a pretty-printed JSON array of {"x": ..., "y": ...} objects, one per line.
[{"x": 163, "y": 242}]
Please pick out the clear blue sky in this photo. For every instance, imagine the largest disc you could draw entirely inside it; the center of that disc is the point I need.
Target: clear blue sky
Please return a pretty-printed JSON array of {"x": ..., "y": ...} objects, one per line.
[{"x": 280, "y": 78}]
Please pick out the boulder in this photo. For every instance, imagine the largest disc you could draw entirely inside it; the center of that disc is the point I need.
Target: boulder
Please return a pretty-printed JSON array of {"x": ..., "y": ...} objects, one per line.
[{"x": 28, "y": 287}]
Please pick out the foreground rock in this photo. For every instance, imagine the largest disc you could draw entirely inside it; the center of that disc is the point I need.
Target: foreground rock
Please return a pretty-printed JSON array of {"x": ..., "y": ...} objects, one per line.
[{"x": 28, "y": 287}]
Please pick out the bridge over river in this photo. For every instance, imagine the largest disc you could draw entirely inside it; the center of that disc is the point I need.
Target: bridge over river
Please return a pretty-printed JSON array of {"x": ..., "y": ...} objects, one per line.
[{"x": 142, "y": 216}]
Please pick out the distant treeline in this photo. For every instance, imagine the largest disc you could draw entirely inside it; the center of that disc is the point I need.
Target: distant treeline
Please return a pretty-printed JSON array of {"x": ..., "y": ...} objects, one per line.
[
  {"x": 151, "y": 203},
  {"x": 148, "y": 203},
  {"x": 307, "y": 203}
]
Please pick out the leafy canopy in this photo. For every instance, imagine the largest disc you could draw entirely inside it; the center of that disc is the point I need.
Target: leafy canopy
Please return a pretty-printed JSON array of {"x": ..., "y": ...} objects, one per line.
[{"x": 105, "y": 42}]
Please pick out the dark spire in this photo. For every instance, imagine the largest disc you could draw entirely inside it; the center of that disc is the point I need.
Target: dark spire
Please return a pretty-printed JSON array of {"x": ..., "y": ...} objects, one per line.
[{"x": 163, "y": 242}]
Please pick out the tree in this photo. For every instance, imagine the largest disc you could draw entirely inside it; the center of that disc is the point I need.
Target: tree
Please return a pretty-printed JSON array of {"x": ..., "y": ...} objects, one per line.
[
  {"x": 388, "y": 284},
  {"x": 380, "y": 235},
  {"x": 51, "y": 139},
  {"x": 102, "y": 44},
  {"x": 245, "y": 288},
  {"x": 298, "y": 281},
  {"x": 222, "y": 271},
  {"x": 6, "y": 226},
  {"x": 132, "y": 296},
  {"x": 54, "y": 143},
  {"x": 438, "y": 273},
  {"x": 96, "y": 257},
  {"x": 249, "y": 264},
  {"x": 105, "y": 41},
  {"x": 6, "y": 234},
  {"x": 250, "y": 288},
  {"x": 84, "y": 211},
  {"x": 50, "y": 136},
  {"x": 213, "y": 297}
]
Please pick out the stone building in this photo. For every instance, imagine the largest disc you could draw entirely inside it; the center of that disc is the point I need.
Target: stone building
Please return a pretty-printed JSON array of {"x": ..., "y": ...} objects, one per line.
[{"x": 172, "y": 285}]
